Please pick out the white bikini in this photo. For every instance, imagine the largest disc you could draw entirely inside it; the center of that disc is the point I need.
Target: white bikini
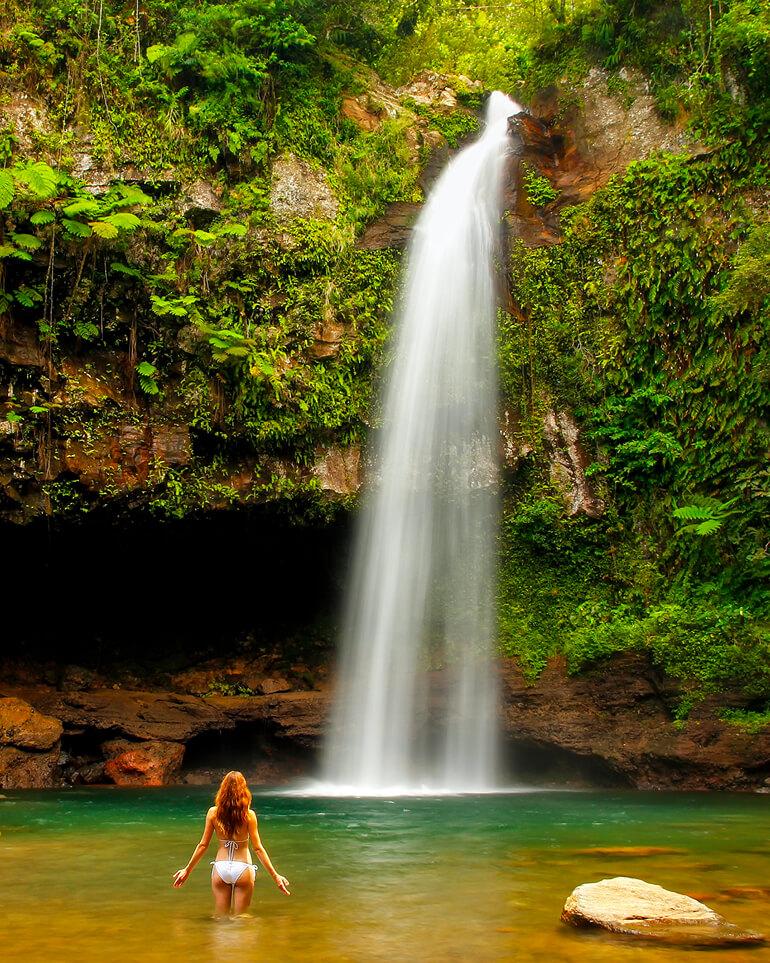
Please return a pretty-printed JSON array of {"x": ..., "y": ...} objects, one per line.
[{"x": 230, "y": 870}]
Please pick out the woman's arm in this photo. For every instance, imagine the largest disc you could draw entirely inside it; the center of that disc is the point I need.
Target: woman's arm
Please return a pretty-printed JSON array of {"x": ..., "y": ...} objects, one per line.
[
  {"x": 208, "y": 831},
  {"x": 280, "y": 881}
]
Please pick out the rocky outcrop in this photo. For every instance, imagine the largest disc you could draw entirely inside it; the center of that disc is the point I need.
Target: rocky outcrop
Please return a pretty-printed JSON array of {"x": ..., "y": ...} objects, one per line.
[
  {"x": 151, "y": 763},
  {"x": 578, "y": 138},
  {"x": 568, "y": 461},
  {"x": 392, "y": 230},
  {"x": 637, "y": 908},
  {"x": 562, "y": 446},
  {"x": 613, "y": 724},
  {"x": 29, "y": 745},
  {"x": 300, "y": 190},
  {"x": 200, "y": 204},
  {"x": 620, "y": 715}
]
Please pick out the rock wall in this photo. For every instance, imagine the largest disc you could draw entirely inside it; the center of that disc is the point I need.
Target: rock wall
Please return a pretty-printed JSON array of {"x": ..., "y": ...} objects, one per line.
[{"x": 613, "y": 725}]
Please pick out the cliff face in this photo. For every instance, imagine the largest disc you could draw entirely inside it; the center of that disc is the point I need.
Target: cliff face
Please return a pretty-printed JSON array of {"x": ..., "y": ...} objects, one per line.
[
  {"x": 86, "y": 426},
  {"x": 613, "y": 725},
  {"x": 217, "y": 361}
]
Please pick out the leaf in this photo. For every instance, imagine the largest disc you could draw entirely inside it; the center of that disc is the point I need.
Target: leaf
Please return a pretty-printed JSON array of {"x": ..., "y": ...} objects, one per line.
[
  {"x": 122, "y": 220},
  {"x": 125, "y": 269},
  {"x": 28, "y": 241},
  {"x": 156, "y": 51},
  {"x": 7, "y": 189},
  {"x": 237, "y": 230},
  {"x": 76, "y": 228},
  {"x": 132, "y": 194},
  {"x": 42, "y": 217},
  {"x": 41, "y": 179},
  {"x": 82, "y": 207},
  {"x": 204, "y": 237},
  {"x": 147, "y": 369},
  {"x": 104, "y": 230}
]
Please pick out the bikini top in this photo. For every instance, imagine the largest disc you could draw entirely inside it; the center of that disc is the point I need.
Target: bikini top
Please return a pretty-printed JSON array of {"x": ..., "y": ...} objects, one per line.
[{"x": 232, "y": 844}]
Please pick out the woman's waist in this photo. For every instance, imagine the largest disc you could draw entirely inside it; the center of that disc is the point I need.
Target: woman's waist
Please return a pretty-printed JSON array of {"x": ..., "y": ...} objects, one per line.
[{"x": 224, "y": 857}]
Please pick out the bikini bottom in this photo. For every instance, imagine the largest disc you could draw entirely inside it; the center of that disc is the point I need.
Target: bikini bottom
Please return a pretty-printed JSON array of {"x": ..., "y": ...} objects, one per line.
[{"x": 230, "y": 871}]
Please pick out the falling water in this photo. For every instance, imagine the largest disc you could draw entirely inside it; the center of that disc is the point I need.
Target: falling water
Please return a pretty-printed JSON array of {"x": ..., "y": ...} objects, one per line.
[{"x": 422, "y": 594}]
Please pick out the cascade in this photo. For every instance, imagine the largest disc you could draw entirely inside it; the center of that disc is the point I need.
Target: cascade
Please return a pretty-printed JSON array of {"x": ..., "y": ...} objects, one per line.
[{"x": 424, "y": 562}]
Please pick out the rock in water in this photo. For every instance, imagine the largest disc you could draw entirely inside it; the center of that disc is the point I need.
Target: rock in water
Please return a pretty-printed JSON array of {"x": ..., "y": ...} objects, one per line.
[{"x": 637, "y": 908}]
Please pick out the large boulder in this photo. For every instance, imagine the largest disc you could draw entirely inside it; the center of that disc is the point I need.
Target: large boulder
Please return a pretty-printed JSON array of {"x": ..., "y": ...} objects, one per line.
[
  {"x": 29, "y": 746},
  {"x": 637, "y": 908},
  {"x": 24, "y": 727},
  {"x": 152, "y": 763}
]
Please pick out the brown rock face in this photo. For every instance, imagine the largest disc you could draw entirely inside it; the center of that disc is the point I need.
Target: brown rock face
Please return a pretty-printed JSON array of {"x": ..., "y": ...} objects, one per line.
[
  {"x": 139, "y": 715},
  {"x": 26, "y": 728},
  {"x": 621, "y": 715},
  {"x": 568, "y": 462},
  {"x": 300, "y": 190},
  {"x": 579, "y": 147},
  {"x": 27, "y": 770},
  {"x": 29, "y": 746},
  {"x": 152, "y": 763}
]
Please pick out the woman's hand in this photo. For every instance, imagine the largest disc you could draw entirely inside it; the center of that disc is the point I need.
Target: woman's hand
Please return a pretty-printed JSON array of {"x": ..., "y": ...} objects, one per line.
[
  {"x": 180, "y": 876},
  {"x": 282, "y": 883}
]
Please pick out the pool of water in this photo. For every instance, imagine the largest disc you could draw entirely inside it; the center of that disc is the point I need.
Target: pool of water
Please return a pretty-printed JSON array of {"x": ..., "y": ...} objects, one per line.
[{"x": 420, "y": 879}]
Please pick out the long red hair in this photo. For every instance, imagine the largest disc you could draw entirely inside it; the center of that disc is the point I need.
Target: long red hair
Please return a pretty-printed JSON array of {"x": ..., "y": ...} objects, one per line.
[{"x": 232, "y": 804}]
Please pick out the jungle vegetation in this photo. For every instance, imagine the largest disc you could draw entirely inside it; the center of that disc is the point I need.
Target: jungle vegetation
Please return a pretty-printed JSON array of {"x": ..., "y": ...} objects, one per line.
[{"x": 649, "y": 321}]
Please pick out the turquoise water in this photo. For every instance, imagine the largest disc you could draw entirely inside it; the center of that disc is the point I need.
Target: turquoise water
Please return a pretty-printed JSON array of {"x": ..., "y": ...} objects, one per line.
[{"x": 454, "y": 878}]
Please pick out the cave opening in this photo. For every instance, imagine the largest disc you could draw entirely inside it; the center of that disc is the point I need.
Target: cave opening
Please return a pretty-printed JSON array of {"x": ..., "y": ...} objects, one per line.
[{"x": 160, "y": 595}]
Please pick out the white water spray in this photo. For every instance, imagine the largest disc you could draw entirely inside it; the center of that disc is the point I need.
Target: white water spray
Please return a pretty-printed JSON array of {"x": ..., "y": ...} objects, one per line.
[{"x": 423, "y": 587}]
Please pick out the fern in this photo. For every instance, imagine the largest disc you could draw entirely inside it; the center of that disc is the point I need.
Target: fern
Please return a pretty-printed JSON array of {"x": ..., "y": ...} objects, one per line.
[{"x": 705, "y": 517}]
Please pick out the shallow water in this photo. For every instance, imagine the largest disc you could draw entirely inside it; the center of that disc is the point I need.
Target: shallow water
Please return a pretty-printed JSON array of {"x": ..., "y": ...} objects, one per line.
[{"x": 447, "y": 878}]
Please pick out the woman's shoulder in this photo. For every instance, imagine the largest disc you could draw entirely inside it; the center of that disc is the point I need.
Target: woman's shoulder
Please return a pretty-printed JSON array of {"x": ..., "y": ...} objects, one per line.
[{"x": 211, "y": 812}]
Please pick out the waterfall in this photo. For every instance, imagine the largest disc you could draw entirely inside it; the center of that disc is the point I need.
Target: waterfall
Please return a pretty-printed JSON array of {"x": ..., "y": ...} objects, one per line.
[{"x": 424, "y": 564}]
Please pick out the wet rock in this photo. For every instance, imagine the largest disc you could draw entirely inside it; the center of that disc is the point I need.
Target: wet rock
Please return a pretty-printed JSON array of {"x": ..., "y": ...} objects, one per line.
[
  {"x": 200, "y": 204},
  {"x": 568, "y": 462},
  {"x": 430, "y": 90},
  {"x": 338, "y": 469},
  {"x": 152, "y": 763},
  {"x": 75, "y": 678},
  {"x": 125, "y": 455},
  {"x": 29, "y": 746},
  {"x": 27, "y": 118},
  {"x": 300, "y": 190},
  {"x": 92, "y": 773},
  {"x": 141, "y": 715},
  {"x": 364, "y": 115},
  {"x": 637, "y": 908},
  {"x": 392, "y": 230},
  {"x": 578, "y": 138},
  {"x": 20, "y": 345},
  {"x": 24, "y": 727},
  {"x": 271, "y": 686},
  {"x": 90, "y": 384},
  {"x": 28, "y": 770},
  {"x": 328, "y": 335},
  {"x": 619, "y": 715},
  {"x": 296, "y": 716}
]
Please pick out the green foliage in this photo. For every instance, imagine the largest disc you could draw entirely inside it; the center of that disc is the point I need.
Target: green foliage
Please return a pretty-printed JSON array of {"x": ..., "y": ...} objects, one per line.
[
  {"x": 708, "y": 643},
  {"x": 540, "y": 191},
  {"x": 550, "y": 564},
  {"x": 706, "y": 516}
]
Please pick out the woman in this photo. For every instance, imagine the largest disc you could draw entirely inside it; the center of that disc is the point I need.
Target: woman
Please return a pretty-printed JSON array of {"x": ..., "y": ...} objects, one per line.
[{"x": 233, "y": 873}]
